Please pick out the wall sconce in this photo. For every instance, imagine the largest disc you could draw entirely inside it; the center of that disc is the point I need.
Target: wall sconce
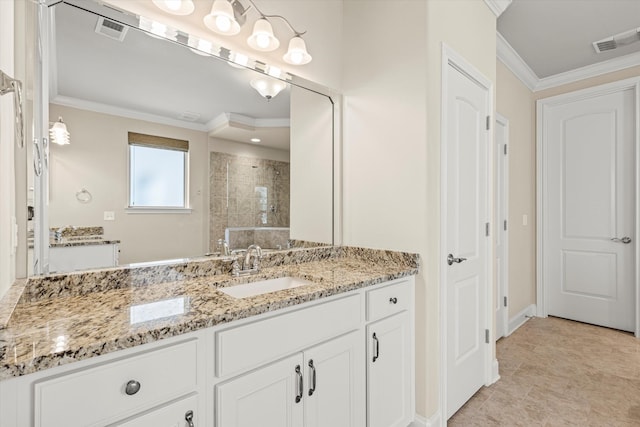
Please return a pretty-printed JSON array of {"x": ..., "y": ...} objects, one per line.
[
  {"x": 268, "y": 88},
  {"x": 228, "y": 16},
  {"x": 59, "y": 133}
]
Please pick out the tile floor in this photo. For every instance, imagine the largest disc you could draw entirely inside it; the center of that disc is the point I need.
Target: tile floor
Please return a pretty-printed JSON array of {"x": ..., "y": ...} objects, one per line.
[{"x": 557, "y": 372}]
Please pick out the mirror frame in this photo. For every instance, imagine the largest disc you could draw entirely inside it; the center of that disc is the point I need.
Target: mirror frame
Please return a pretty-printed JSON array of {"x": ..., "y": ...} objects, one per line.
[{"x": 40, "y": 119}]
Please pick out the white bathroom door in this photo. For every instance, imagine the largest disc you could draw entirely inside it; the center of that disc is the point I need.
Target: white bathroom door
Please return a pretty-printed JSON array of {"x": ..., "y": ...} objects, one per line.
[
  {"x": 502, "y": 227},
  {"x": 589, "y": 232},
  {"x": 467, "y": 241}
]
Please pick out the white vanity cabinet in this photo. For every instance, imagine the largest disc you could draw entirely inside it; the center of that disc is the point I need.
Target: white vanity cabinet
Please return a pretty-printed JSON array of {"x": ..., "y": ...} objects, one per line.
[
  {"x": 308, "y": 365},
  {"x": 319, "y": 387},
  {"x": 390, "y": 348}
]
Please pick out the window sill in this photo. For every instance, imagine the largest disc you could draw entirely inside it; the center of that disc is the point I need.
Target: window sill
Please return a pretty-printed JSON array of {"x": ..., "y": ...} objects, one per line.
[{"x": 152, "y": 210}]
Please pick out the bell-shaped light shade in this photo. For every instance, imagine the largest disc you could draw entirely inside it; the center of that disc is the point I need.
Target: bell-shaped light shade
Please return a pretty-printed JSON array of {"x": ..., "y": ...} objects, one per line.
[
  {"x": 268, "y": 88},
  {"x": 59, "y": 133},
  {"x": 297, "y": 53},
  {"x": 176, "y": 7},
  {"x": 262, "y": 38},
  {"x": 221, "y": 19}
]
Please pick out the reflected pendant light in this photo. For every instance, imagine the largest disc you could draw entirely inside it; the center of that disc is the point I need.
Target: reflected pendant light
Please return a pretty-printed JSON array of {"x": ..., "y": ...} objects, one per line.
[
  {"x": 221, "y": 19},
  {"x": 262, "y": 38},
  {"x": 297, "y": 53},
  {"x": 176, "y": 7},
  {"x": 268, "y": 88},
  {"x": 59, "y": 133}
]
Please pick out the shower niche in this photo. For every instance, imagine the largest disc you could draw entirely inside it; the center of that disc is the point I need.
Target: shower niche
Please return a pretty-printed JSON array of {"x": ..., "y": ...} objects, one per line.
[{"x": 249, "y": 201}]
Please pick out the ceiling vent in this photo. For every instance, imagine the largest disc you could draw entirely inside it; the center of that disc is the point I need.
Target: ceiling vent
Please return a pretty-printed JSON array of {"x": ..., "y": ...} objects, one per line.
[
  {"x": 618, "y": 40},
  {"x": 111, "y": 29},
  {"x": 189, "y": 116}
]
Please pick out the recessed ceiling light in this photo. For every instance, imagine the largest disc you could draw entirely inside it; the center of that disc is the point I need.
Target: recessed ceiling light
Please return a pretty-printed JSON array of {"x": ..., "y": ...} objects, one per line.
[{"x": 255, "y": 139}]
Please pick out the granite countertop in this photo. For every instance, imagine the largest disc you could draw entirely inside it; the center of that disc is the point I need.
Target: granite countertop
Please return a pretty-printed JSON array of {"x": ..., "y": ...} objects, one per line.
[
  {"x": 59, "y": 319},
  {"x": 81, "y": 242}
]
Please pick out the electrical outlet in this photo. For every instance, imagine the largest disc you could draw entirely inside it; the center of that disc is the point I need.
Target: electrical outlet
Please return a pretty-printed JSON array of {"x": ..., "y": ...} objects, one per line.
[{"x": 109, "y": 216}]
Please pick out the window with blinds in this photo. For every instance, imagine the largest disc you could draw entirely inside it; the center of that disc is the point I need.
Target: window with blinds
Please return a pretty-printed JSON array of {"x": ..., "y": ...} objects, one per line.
[{"x": 157, "y": 171}]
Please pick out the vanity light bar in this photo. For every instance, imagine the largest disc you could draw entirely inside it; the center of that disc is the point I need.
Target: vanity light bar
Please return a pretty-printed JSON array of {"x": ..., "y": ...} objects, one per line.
[{"x": 206, "y": 47}]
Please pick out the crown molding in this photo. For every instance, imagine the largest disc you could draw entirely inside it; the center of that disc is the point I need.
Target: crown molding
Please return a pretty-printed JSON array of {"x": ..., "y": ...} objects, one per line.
[
  {"x": 593, "y": 70},
  {"x": 97, "y": 107},
  {"x": 509, "y": 57},
  {"x": 498, "y": 6}
]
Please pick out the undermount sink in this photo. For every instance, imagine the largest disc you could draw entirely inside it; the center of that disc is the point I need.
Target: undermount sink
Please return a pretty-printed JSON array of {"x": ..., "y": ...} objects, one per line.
[{"x": 264, "y": 287}]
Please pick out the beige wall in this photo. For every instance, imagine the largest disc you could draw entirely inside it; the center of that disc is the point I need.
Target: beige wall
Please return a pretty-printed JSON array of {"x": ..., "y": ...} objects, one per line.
[
  {"x": 97, "y": 160},
  {"x": 515, "y": 102},
  {"x": 392, "y": 99}
]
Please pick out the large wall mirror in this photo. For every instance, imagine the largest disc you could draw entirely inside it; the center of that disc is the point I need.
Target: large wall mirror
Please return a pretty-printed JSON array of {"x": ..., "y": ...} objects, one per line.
[{"x": 154, "y": 115}]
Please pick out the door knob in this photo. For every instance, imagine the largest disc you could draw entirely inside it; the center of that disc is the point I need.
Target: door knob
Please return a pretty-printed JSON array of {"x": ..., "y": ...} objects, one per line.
[
  {"x": 451, "y": 259},
  {"x": 626, "y": 240}
]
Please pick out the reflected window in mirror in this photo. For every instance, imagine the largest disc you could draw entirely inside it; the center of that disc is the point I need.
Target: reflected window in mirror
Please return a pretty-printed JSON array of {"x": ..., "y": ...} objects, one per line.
[{"x": 157, "y": 172}]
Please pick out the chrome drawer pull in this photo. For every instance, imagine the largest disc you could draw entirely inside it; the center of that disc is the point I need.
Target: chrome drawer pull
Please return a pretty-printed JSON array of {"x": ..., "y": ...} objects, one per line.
[
  {"x": 377, "y": 355},
  {"x": 132, "y": 387},
  {"x": 188, "y": 417},
  {"x": 312, "y": 389},
  {"x": 300, "y": 384}
]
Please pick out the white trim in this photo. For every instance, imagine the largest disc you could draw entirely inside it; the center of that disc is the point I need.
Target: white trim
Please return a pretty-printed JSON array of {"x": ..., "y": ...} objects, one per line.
[
  {"x": 433, "y": 421},
  {"x": 451, "y": 57},
  {"x": 514, "y": 62},
  {"x": 495, "y": 371},
  {"x": 498, "y": 6},
  {"x": 521, "y": 318},
  {"x": 152, "y": 210},
  {"x": 503, "y": 121},
  {"x": 97, "y": 107},
  {"x": 593, "y": 70},
  {"x": 541, "y": 173},
  {"x": 510, "y": 58}
]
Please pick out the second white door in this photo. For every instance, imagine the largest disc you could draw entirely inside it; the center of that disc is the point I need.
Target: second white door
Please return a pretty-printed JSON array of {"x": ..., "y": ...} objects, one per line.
[{"x": 589, "y": 209}]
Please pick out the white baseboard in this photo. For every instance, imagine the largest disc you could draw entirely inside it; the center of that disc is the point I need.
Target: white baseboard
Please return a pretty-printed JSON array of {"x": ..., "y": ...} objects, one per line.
[
  {"x": 495, "y": 371},
  {"x": 519, "y": 319},
  {"x": 433, "y": 421}
]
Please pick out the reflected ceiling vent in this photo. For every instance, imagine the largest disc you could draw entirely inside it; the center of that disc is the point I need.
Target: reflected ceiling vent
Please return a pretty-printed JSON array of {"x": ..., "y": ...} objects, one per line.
[
  {"x": 189, "y": 116},
  {"x": 618, "y": 40},
  {"x": 111, "y": 29}
]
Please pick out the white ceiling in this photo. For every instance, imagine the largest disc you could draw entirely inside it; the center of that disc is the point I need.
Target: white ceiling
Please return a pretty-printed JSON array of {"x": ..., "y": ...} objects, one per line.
[
  {"x": 556, "y": 36},
  {"x": 149, "y": 77}
]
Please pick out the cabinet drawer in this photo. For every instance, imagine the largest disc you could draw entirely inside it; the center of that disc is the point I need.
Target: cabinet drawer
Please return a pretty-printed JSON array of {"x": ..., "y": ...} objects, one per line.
[
  {"x": 254, "y": 344},
  {"x": 170, "y": 415},
  {"x": 97, "y": 396},
  {"x": 388, "y": 300}
]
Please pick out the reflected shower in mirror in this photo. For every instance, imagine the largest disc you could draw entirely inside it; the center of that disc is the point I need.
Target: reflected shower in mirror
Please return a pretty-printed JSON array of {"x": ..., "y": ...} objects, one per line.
[{"x": 108, "y": 80}]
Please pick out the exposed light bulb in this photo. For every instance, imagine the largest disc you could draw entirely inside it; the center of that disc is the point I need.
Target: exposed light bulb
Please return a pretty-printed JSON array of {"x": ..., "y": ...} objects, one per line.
[
  {"x": 173, "y": 4},
  {"x": 223, "y": 23}
]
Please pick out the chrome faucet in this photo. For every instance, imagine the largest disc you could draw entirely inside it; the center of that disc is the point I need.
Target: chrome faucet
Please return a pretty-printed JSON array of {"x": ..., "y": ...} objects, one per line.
[
  {"x": 225, "y": 247},
  {"x": 248, "y": 266}
]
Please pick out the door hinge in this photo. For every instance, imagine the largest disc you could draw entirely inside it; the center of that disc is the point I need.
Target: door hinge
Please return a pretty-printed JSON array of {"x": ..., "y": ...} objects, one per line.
[
  {"x": 505, "y": 225},
  {"x": 486, "y": 229},
  {"x": 486, "y": 336},
  {"x": 488, "y": 122},
  {"x": 505, "y": 301},
  {"x": 505, "y": 149}
]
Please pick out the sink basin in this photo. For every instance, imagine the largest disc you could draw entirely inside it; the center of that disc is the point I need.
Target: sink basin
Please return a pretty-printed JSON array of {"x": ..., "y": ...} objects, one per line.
[{"x": 263, "y": 287}]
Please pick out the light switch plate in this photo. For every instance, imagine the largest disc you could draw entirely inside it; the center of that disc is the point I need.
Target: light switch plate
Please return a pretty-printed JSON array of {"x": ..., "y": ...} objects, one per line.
[
  {"x": 109, "y": 216},
  {"x": 525, "y": 219}
]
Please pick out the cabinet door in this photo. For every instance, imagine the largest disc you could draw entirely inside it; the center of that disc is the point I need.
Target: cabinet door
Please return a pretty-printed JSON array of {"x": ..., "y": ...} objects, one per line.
[
  {"x": 172, "y": 415},
  {"x": 266, "y": 397},
  {"x": 389, "y": 372},
  {"x": 336, "y": 397}
]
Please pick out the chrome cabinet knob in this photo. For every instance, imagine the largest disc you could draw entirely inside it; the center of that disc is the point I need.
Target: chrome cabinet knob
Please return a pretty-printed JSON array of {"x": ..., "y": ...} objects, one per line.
[
  {"x": 132, "y": 387},
  {"x": 393, "y": 300}
]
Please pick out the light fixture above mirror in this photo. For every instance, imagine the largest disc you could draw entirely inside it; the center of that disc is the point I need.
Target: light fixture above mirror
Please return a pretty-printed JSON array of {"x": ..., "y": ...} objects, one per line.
[{"x": 227, "y": 18}]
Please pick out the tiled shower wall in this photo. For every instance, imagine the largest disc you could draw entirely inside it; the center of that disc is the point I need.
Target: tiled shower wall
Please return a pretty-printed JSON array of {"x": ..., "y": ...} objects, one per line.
[{"x": 246, "y": 192}]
